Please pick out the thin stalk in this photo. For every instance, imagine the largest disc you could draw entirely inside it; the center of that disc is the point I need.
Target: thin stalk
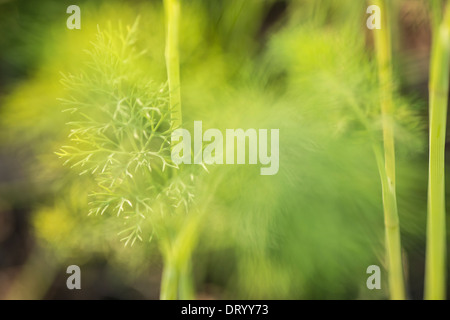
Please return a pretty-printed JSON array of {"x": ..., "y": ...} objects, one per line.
[
  {"x": 177, "y": 278},
  {"x": 169, "y": 282},
  {"x": 184, "y": 247},
  {"x": 177, "y": 248},
  {"x": 436, "y": 18},
  {"x": 186, "y": 285},
  {"x": 172, "y": 12},
  {"x": 171, "y": 277},
  {"x": 383, "y": 48},
  {"x": 435, "y": 276}
]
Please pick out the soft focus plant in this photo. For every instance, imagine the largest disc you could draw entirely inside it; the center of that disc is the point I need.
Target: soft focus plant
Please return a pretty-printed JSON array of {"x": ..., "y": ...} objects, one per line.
[
  {"x": 307, "y": 233},
  {"x": 121, "y": 130}
]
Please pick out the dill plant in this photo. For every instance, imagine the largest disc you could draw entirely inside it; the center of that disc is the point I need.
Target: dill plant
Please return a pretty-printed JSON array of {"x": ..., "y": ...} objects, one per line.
[
  {"x": 320, "y": 161},
  {"x": 121, "y": 126},
  {"x": 318, "y": 62},
  {"x": 176, "y": 278}
]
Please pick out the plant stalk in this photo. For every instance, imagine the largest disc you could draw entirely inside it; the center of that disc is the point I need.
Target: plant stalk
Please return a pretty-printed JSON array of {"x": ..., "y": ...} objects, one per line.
[
  {"x": 169, "y": 281},
  {"x": 177, "y": 279},
  {"x": 177, "y": 282},
  {"x": 186, "y": 285},
  {"x": 435, "y": 275},
  {"x": 172, "y": 13},
  {"x": 383, "y": 48}
]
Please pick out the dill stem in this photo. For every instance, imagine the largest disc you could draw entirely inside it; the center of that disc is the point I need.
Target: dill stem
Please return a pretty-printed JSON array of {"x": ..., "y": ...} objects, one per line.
[
  {"x": 185, "y": 285},
  {"x": 383, "y": 48},
  {"x": 169, "y": 282},
  {"x": 435, "y": 275},
  {"x": 177, "y": 278},
  {"x": 172, "y": 13},
  {"x": 172, "y": 276},
  {"x": 177, "y": 248},
  {"x": 183, "y": 248}
]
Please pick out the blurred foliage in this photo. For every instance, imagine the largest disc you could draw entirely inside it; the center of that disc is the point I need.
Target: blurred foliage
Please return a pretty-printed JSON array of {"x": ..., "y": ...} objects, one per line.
[{"x": 301, "y": 66}]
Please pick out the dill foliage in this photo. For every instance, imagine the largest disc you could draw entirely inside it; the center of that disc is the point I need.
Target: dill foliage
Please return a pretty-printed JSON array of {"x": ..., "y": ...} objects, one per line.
[{"x": 120, "y": 135}]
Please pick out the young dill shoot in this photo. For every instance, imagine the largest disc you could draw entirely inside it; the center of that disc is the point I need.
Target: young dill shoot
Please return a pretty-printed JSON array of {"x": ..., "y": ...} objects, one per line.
[{"x": 120, "y": 135}]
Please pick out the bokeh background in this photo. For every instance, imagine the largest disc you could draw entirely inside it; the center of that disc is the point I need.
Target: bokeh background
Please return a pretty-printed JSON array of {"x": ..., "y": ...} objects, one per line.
[{"x": 301, "y": 66}]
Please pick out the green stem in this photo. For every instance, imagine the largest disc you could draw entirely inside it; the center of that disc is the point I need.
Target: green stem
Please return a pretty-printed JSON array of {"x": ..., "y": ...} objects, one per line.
[
  {"x": 172, "y": 11},
  {"x": 186, "y": 286},
  {"x": 183, "y": 248},
  {"x": 177, "y": 277},
  {"x": 170, "y": 277},
  {"x": 436, "y": 19},
  {"x": 177, "y": 248},
  {"x": 177, "y": 274},
  {"x": 387, "y": 172},
  {"x": 435, "y": 276}
]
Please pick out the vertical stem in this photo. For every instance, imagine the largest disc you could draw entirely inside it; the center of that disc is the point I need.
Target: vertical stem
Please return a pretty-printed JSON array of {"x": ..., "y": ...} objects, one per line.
[
  {"x": 177, "y": 280},
  {"x": 171, "y": 276},
  {"x": 172, "y": 12},
  {"x": 392, "y": 226},
  {"x": 186, "y": 286},
  {"x": 435, "y": 276},
  {"x": 169, "y": 282},
  {"x": 183, "y": 248},
  {"x": 436, "y": 18}
]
